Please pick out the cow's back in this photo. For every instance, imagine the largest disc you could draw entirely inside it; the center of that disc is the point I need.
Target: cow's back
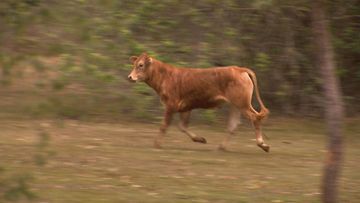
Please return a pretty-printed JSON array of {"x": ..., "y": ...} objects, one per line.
[{"x": 203, "y": 88}]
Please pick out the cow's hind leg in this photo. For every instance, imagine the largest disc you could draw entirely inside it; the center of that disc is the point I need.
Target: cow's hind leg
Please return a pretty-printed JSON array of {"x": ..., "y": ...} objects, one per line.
[
  {"x": 233, "y": 122},
  {"x": 166, "y": 122},
  {"x": 252, "y": 115},
  {"x": 183, "y": 124}
]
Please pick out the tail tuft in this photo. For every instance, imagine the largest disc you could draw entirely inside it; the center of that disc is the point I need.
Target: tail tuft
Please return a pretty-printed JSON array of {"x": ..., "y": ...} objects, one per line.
[{"x": 264, "y": 113}]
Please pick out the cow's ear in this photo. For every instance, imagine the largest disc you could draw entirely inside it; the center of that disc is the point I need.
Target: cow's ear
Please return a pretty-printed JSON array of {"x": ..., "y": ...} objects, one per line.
[
  {"x": 133, "y": 59},
  {"x": 148, "y": 60}
]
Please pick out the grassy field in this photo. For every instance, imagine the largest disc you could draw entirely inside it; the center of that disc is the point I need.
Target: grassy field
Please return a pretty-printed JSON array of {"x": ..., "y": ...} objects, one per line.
[{"x": 115, "y": 162}]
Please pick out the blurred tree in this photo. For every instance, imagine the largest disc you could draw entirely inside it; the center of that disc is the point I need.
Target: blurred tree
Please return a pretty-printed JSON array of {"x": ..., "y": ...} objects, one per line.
[{"x": 333, "y": 101}]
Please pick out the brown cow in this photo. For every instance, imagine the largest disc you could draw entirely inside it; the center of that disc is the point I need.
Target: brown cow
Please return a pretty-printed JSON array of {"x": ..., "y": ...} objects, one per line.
[{"x": 184, "y": 89}]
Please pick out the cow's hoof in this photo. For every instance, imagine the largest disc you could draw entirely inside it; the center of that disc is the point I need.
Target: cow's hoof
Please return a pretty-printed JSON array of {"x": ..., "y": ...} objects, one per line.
[
  {"x": 222, "y": 148},
  {"x": 199, "y": 139},
  {"x": 157, "y": 145},
  {"x": 264, "y": 146}
]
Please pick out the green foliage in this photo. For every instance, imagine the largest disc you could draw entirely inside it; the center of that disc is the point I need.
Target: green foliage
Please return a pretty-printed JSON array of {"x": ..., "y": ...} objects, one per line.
[
  {"x": 145, "y": 103},
  {"x": 262, "y": 62},
  {"x": 93, "y": 42},
  {"x": 209, "y": 116},
  {"x": 18, "y": 187},
  {"x": 142, "y": 89},
  {"x": 59, "y": 84}
]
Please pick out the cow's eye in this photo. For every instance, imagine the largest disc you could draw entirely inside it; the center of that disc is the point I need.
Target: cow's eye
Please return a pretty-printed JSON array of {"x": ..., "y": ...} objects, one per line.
[{"x": 141, "y": 66}]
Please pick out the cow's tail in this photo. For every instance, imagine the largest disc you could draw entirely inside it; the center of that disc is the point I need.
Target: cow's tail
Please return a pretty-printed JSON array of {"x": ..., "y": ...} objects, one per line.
[{"x": 264, "y": 112}]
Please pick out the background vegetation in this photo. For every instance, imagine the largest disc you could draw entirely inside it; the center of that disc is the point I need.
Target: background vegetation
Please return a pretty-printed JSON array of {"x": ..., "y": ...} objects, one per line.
[{"x": 70, "y": 58}]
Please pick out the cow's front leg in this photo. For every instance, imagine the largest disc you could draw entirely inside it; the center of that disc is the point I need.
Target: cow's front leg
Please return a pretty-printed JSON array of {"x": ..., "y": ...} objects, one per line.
[
  {"x": 166, "y": 122},
  {"x": 184, "y": 122}
]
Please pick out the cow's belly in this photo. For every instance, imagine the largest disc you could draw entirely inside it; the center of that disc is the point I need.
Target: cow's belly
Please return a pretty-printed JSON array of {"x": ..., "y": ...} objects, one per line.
[{"x": 201, "y": 102}]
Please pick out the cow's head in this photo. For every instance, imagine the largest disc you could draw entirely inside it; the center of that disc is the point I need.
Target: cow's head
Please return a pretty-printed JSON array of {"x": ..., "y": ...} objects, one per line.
[{"x": 141, "y": 66}]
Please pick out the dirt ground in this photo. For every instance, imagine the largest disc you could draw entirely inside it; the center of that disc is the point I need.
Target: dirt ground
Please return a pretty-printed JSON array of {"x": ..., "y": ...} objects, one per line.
[{"x": 115, "y": 162}]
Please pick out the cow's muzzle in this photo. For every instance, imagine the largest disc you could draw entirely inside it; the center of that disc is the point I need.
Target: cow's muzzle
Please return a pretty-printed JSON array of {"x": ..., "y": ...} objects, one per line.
[{"x": 131, "y": 79}]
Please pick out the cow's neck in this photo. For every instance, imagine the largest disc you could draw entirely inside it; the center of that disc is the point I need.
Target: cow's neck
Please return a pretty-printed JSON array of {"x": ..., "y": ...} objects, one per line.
[{"x": 158, "y": 74}]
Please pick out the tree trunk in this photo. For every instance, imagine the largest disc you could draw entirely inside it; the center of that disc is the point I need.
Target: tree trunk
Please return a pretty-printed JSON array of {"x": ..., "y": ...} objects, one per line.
[{"x": 333, "y": 102}]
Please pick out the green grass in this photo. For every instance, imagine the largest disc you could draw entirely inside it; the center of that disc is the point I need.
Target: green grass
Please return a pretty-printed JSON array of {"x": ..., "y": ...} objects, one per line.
[{"x": 108, "y": 162}]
